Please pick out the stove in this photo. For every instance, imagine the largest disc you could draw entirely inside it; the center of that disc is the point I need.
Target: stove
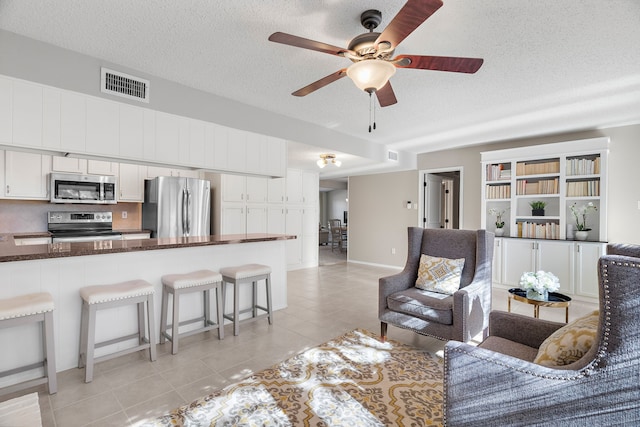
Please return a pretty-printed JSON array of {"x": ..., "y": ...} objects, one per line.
[{"x": 81, "y": 226}]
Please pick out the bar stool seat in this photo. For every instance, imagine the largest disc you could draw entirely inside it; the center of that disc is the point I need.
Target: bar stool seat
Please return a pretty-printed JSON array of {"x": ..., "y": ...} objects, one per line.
[
  {"x": 30, "y": 308},
  {"x": 178, "y": 284},
  {"x": 248, "y": 273},
  {"x": 100, "y": 297}
]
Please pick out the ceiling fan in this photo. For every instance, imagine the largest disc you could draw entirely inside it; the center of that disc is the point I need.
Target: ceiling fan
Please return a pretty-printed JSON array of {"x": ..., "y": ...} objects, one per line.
[{"x": 371, "y": 53}]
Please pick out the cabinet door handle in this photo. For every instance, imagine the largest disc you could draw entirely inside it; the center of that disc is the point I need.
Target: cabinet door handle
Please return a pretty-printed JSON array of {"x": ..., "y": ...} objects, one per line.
[{"x": 8, "y": 189}]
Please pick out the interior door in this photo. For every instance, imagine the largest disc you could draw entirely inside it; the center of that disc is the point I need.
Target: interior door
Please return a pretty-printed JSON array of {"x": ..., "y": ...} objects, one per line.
[{"x": 433, "y": 201}]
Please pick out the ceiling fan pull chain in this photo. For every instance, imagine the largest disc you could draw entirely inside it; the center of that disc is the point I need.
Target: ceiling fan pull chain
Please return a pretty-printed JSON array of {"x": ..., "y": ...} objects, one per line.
[
  {"x": 370, "y": 100},
  {"x": 374, "y": 112}
]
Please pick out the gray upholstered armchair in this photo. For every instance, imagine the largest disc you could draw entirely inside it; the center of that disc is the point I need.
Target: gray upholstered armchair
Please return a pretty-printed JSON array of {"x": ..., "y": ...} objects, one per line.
[
  {"x": 497, "y": 383},
  {"x": 460, "y": 316}
]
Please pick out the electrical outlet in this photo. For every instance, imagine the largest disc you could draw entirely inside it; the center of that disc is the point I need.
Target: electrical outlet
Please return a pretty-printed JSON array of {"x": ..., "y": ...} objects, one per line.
[
  {"x": 124, "y": 214},
  {"x": 393, "y": 251}
]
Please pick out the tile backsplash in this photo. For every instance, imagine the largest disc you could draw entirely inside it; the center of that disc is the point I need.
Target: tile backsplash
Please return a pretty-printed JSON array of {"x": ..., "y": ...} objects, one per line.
[{"x": 28, "y": 216}]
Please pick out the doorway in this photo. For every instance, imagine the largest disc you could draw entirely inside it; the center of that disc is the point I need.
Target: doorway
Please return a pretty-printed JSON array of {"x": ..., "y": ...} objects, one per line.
[{"x": 441, "y": 197}]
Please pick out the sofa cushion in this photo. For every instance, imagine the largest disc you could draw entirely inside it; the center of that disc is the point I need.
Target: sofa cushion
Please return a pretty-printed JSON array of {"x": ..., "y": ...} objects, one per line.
[
  {"x": 510, "y": 348},
  {"x": 439, "y": 274},
  {"x": 569, "y": 343},
  {"x": 430, "y": 306}
]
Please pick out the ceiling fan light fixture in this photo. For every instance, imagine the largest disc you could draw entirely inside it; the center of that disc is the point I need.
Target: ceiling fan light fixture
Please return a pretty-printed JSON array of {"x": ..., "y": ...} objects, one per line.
[
  {"x": 371, "y": 74},
  {"x": 321, "y": 163}
]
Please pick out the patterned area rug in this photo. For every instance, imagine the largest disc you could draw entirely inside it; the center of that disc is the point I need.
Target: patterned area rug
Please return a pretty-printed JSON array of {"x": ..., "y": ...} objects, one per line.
[{"x": 353, "y": 380}]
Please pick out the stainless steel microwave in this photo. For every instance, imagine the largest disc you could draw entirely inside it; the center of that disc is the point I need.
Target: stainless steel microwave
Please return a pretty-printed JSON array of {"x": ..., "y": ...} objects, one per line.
[{"x": 70, "y": 188}]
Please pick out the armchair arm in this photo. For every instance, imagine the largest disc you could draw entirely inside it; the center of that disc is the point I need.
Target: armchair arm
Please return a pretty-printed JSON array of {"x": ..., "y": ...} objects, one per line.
[
  {"x": 521, "y": 329},
  {"x": 483, "y": 387},
  {"x": 391, "y": 284},
  {"x": 472, "y": 304}
]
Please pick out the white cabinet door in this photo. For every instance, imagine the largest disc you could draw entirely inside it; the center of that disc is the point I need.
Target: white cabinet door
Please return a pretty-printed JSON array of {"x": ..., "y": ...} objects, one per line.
[
  {"x": 256, "y": 219},
  {"x": 233, "y": 220},
  {"x": 155, "y": 171},
  {"x": 131, "y": 183},
  {"x": 6, "y": 109},
  {"x": 73, "y": 122},
  {"x": 310, "y": 221},
  {"x": 310, "y": 188},
  {"x": 256, "y": 189},
  {"x": 149, "y": 125},
  {"x": 294, "y": 186},
  {"x": 27, "y": 114},
  {"x": 131, "y": 132},
  {"x": 518, "y": 257},
  {"x": 497, "y": 261},
  {"x": 276, "y": 157},
  {"x": 234, "y": 188},
  {"x": 69, "y": 165},
  {"x": 197, "y": 143},
  {"x": 220, "y": 149},
  {"x": 586, "y": 268},
  {"x": 557, "y": 258},
  {"x": 276, "y": 220},
  {"x": 103, "y": 130},
  {"x": 276, "y": 190},
  {"x": 51, "y": 119},
  {"x": 236, "y": 150},
  {"x": 256, "y": 153},
  {"x": 100, "y": 167},
  {"x": 26, "y": 175},
  {"x": 293, "y": 226},
  {"x": 167, "y": 138}
]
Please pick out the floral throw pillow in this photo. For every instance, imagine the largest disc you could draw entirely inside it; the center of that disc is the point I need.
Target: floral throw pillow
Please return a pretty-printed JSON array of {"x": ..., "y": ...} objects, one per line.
[
  {"x": 440, "y": 275},
  {"x": 569, "y": 343}
]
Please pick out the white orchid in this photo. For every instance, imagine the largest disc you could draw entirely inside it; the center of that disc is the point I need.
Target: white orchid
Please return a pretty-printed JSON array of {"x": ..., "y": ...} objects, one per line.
[
  {"x": 580, "y": 214},
  {"x": 498, "y": 214}
]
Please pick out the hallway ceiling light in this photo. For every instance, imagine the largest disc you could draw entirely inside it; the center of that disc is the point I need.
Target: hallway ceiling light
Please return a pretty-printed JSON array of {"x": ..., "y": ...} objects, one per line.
[{"x": 325, "y": 158}]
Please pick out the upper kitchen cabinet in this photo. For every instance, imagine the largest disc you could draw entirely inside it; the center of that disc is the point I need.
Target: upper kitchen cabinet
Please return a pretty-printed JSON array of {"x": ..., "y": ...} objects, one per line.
[
  {"x": 132, "y": 132},
  {"x": 131, "y": 182},
  {"x": 236, "y": 150},
  {"x": 167, "y": 149},
  {"x": 256, "y": 153},
  {"x": 103, "y": 130},
  {"x": 6, "y": 109},
  {"x": 276, "y": 164},
  {"x": 25, "y": 175},
  {"x": 35, "y": 116},
  {"x": 197, "y": 137},
  {"x": 73, "y": 122},
  {"x": 69, "y": 165},
  {"x": 216, "y": 146}
]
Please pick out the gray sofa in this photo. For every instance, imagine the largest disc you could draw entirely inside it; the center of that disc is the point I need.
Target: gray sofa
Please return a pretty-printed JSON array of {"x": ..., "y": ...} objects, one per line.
[{"x": 497, "y": 384}]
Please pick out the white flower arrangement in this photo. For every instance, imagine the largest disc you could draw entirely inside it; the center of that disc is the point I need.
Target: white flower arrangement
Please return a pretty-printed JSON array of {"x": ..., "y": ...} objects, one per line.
[
  {"x": 539, "y": 281},
  {"x": 498, "y": 214},
  {"x": 580, "y": 214}
]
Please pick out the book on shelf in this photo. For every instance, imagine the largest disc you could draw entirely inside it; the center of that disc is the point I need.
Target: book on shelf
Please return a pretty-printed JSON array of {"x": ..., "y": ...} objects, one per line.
[
  {"x": 536, "y": 230},
  {"x": 583, "y": 166},
  {"x": 498, "y": 173},
  {"x": 583, "y": 188},
  {"x": 537, "y": 168},
  {"x": 498, "y": 191},
  {"x": 542, "y": 186}
]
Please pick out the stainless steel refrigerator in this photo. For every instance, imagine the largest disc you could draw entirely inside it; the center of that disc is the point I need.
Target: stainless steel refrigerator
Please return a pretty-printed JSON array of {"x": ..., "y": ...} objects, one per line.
[{"x": 176, "y": 207}]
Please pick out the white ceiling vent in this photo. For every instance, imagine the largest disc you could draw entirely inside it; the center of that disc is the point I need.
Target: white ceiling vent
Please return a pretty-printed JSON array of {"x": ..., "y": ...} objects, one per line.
[
  {"x": 392, "y": 155},
  {"x": 125, "y": 85}
]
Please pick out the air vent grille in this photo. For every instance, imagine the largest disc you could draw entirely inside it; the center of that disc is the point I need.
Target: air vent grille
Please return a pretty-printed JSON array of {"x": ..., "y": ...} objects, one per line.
[
  {"x": 125, "y": 85},
  {"x": 392, "y": 155}
]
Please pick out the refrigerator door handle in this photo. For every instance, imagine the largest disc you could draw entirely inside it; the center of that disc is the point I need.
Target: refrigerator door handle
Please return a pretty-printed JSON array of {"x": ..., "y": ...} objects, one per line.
[
  {"x": 184, "y": 212},
  {"x": 188, "y": 212}
]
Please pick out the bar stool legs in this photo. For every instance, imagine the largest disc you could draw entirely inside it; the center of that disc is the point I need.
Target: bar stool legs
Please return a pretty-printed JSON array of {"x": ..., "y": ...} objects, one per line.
[
  {"x": 178, "y": 284},
  {"x": 30, "y": 308},
  {"x": 250, "y": 273},
  {"x": 102, "y": 297}
]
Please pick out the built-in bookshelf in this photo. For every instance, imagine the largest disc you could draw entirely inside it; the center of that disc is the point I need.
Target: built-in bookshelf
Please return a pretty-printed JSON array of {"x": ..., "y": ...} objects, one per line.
[{"x": 557, "y": 176}]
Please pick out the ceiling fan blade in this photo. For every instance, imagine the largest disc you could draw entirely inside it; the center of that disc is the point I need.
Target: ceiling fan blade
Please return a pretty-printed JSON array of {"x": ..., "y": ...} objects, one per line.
[
  {"x": 320, "y": 83},
  {"x": 412, "y": 14},
  {"x": 386, "y": 96},
  {"x": 439, "y": 63},
  {"x": 296, "y": 41}
]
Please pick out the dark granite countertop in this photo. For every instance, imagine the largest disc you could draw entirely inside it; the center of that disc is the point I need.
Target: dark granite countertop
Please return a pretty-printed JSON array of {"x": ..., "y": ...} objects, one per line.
[{"x": 10, "y": 252}]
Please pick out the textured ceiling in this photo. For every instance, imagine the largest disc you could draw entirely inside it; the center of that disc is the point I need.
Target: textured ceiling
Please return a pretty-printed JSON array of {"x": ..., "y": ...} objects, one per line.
[{"x": 550, "y": 66}]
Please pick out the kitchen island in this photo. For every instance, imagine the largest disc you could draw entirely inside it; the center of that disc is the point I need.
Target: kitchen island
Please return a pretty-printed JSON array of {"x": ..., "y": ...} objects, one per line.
[{"x": 63, "y": 268}]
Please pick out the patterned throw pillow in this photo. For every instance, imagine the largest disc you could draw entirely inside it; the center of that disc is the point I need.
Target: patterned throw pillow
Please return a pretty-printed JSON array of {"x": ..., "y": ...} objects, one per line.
[
  {"x": 569, "y": 343},
  {"x": 439, "y": 274}
]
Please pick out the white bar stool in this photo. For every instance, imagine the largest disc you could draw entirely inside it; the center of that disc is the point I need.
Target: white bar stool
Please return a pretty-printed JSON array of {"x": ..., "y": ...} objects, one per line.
[
  {"x": 101, "y": 297},
  {"x": 31, "y": 308},
  {"x": 249, "y": 273},
  {"x": 178, "y": 284}
]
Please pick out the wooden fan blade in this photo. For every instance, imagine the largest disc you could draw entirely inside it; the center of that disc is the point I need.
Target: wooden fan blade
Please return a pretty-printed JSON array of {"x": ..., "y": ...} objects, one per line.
[
  {"x": 412, "y": 14},
  {"x": 296, "y": 41},
  {"x": 439, "y": 63},
  {"x": 320, "y": 83},
  {"x": 386, "y": 96}
]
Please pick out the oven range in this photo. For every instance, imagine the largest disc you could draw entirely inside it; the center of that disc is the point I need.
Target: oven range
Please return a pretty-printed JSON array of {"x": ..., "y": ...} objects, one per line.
[{"x": 81, "y": 226}]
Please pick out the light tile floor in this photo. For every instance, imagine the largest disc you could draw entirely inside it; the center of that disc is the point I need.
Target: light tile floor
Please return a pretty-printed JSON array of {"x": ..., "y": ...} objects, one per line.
[{"x": 323, "y": 303}]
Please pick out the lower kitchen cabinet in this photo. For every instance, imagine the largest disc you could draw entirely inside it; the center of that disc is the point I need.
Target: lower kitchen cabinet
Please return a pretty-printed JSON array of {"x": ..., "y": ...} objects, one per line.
[{"x": 574, "y": 263}]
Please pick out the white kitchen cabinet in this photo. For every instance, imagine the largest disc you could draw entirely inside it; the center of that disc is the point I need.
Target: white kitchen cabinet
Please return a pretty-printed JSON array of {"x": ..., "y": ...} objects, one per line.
[
  {"x": 216, "y": 147},
  {"x": 167, "y": 133},
  {"x": 101, "y": 167},
  {"x": 149, "y": 141},
  {"x": 233, "y": 188},
  {"x": 276, "y": 220},
  {"x": 27, "y": 114},
  {"x": 276, "y": 157},
  {"x": 256, "y": 219},
  {"x": 232, "y": 220},
  {"x": 256, "y": 153},
  {"x": 236, "y": 150},
  {"x": 196, "y": 143},
  {"x": 155, "y": 171},
  {"x": 25, "y": 175},
  {"x": 132, "y": 132},
  {"x": 294, "y": 186},
  {"x": 51, "y": 119},
  {"x": 586, "y": 268},
  {"x": 6, "y": 111},
  {"x": 102, "y": 127},
  {"x": 69, "y": 165},
  {"x": 131, "y": 182},
  {"x": 310, "y": 188},
  {"x": 293, "y": 226},
  {"x": 73, "y": 122},
  {"x": 257, "y": 189},
  {"x": 276, "y": 190}
]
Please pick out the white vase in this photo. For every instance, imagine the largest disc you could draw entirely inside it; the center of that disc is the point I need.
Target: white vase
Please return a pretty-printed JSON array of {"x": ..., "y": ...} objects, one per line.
[
  {"x": 531, "y": 294},
  {"x": 581, "y": 235},
  {"x": 499, "y": 232}
]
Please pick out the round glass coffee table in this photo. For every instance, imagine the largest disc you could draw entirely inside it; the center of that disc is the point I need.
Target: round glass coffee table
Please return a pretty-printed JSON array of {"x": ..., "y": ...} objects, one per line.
[{"x": 556, "y": 300}]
